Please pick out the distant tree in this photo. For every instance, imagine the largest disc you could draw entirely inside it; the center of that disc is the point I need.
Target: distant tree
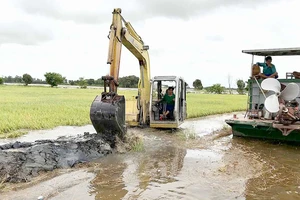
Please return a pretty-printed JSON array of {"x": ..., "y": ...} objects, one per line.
[
  {"x": 27, "y": 79},
  {"x": 90, "y": 81},
  {"x": 53, "y": 78},
  {"x": 99, "y": 82},
  {"x": 197, "y": 84},
  {"x": 241, "y": 86},
  {"x": 38, "y": 81},
  {"x": 65, "y": 80},
  {"x": 8, "y": 79},
  {"x": 129, "y": 81},
  {"x": 82, "y": 83},
  {"x": 71, "y": 82},
  {"x": 18, "y": 79},
  {"x": 216, "y": 88},
  {"x": 1, "y": 80}
]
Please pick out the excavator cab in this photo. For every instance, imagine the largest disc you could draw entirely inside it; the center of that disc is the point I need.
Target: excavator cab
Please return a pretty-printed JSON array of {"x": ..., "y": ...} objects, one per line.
[{"x": 160, "y": 116}]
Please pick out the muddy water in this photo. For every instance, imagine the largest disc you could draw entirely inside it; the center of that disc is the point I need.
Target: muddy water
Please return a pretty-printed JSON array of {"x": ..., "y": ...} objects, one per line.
[
  {"x": 212, "y": 166},
  {"x": 51, "y": 134}
]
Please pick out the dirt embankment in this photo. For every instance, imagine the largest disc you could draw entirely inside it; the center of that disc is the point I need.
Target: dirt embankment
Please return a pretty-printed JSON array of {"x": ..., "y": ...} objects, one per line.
[{"x": 20, "y": 161}]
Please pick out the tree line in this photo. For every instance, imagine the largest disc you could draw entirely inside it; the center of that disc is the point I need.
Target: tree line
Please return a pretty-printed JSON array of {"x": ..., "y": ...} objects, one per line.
[
  {"x": 55, "y": 79},
  {"x": 219, "y": 89}
]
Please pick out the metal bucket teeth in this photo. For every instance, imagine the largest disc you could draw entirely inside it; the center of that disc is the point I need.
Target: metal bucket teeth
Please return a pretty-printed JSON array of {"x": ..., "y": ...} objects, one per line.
[{"x": 108, "y": 115}]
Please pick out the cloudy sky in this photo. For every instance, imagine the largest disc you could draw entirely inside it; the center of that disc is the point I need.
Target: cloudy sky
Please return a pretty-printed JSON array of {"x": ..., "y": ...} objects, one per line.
[{"x": 191, "y": 38}]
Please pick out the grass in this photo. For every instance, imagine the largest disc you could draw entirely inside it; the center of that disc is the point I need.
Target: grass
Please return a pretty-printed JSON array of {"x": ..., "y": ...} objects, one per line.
[
  {"x": 200, "y": 105},
  {"x": 187, "y": 134},
  {"x": 136, "y": 143},
  {"x": 132, "y": 142},
  {"x": 32, "y": 108}
]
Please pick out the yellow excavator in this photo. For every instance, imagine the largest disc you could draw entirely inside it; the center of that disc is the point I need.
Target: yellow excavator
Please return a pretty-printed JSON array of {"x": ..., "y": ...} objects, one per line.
[{"x": 108, "y": 110}]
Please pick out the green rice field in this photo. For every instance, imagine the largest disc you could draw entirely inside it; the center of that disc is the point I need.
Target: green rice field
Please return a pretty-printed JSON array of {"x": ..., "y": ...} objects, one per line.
[{"x": 31, "y": 108}]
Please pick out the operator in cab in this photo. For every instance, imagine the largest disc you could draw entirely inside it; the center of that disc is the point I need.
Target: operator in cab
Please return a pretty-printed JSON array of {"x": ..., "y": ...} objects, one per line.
[
  {"x": 269, "y": 70},
  {"x": 169, "y": 99}
]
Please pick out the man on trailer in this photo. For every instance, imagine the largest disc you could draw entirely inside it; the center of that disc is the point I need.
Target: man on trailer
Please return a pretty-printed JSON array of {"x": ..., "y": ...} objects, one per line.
[
  {"x": 296, "y": 74},
  {"x": 269, "y": 70}
]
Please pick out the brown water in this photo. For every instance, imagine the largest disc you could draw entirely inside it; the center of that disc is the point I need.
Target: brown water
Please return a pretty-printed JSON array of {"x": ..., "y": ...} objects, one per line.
[
  {"x": 51, "y": 134},
  {"x": 212, "y": 166}
]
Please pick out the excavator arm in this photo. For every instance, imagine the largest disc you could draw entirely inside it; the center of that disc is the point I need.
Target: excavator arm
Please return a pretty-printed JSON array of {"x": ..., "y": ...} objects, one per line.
[{"x": 108, "y": 109}]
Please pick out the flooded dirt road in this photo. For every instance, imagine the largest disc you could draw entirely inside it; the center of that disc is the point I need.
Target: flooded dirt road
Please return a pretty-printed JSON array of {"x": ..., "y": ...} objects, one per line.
[{"x": 179, "y": 165}]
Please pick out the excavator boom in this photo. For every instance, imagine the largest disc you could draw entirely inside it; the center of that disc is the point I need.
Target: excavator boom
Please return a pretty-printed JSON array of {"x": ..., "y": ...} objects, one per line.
[{"x": 107, "y": 111}]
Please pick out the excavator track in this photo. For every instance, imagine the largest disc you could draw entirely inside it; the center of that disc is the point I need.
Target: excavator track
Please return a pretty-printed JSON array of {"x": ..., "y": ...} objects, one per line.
[{"x": 107, "y": 114}]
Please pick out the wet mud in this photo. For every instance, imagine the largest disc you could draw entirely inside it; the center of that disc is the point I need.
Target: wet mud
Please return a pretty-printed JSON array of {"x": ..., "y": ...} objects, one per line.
[{"x": 20, "y": 161}]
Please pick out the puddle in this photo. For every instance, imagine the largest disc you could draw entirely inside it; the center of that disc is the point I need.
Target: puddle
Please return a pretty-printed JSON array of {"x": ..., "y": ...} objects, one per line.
[
  {"x": 203, "y": 155},
  {"x": 74, "y": 183},
  {"x": 167, "y": 173},
  {"x": 206, "y": 125},
  {"x": 51, "y": 134}
]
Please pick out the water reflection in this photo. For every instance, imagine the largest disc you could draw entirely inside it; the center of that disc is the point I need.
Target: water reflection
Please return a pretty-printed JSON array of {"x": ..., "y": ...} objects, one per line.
[
  {"x": 108, "y": 183},
  {"x": 279, "y": 177},
  {"x": 128, "y": 176},
  {"x": 160, "y": 166}
]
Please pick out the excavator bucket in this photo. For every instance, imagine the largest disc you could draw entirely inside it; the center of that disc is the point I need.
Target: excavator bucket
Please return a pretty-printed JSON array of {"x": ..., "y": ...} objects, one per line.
[{"x": 107, "y": 114}]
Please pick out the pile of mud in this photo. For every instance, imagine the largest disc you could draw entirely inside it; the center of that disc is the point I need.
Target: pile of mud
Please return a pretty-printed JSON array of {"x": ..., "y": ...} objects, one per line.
[{"x": 20, "y": 161}]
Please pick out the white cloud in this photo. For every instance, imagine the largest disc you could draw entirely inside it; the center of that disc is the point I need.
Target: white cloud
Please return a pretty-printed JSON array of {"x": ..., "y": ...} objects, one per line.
[
  {"x": 197, "y": 39},
  {"x": 19, "y": 29},
  {"x": 78, "y": 11},
  {"x": 21, "y": 32},
  {"x": 94, "y": 11},
  {"x": 188, "y": 9}
]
